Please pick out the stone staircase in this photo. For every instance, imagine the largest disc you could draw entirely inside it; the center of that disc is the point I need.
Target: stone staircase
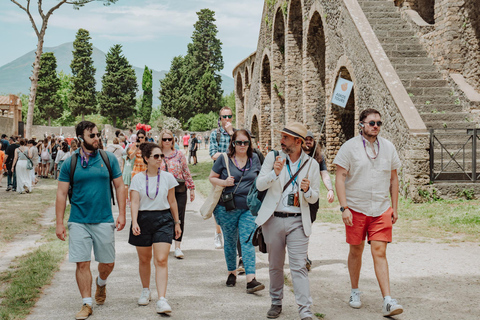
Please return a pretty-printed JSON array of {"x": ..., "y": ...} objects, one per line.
[{"x": 436, "y": 102}]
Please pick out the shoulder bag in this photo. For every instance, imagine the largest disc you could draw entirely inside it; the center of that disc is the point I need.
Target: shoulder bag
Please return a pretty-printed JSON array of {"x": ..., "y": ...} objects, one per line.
[{"x": 212, "y": 200}]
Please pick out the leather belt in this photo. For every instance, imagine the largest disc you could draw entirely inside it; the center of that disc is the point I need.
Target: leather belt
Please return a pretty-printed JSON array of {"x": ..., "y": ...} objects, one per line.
[{"x": 286, "y": 214}]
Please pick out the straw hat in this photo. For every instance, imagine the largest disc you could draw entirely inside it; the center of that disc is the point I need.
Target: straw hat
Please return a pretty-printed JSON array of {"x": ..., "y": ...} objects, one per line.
[{"x": 295, "y": 129}]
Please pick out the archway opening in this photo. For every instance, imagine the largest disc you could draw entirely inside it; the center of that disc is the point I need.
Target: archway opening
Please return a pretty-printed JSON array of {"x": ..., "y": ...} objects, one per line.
[
  {"x": 278, "y": 75},
  {"x": 264, "y": 136},
  {"x": 314, "y": 82},
  {"x": 294, "y": 63},
  {"x": 247, "y": 80},
  {"x": 255, "y": 130},
  {"x": 426, "y": 10},
  {"x": 240, "y": 102}
]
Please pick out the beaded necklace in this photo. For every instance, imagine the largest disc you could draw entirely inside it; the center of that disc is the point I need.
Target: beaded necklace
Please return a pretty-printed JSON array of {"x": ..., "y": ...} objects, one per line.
[{"x": 158, "y": 183}]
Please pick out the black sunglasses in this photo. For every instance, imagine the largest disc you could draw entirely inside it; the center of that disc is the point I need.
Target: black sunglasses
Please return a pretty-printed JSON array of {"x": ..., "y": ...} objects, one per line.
[
  {"x": 227, "y": 116},
  {"x": 92, "y": 135},
  {"x": 141, "y": 137},
  {"x": 242, "y": 143},
  {"x": 372, "y": 123},
  {"x": 167, "y": 139},
  {"x": 156, "y": 156}
]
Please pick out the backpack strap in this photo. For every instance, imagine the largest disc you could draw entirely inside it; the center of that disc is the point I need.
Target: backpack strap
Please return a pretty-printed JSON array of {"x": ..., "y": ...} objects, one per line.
[
  {"x": 73, "y": 165},
  {"x": 104, "y": 156},
  {"x": 218, "y": 136}
]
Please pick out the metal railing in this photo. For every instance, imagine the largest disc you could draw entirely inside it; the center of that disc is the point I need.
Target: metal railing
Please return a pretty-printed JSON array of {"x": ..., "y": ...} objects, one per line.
[{"x": 453, "y": 155}]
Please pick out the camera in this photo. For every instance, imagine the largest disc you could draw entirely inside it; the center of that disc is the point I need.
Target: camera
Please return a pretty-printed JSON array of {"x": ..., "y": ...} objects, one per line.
[{"x": 291, "y": 200}]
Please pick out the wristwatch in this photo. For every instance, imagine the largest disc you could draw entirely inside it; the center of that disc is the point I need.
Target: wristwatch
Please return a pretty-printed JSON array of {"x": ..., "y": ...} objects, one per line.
[
  {"x": 344, "y": 208},
  {"x": 178, "y": 222}
]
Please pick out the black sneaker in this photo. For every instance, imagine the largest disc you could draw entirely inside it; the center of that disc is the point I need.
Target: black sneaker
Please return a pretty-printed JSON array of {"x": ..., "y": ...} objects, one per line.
[
  {"x": 274, "y": 311},
  {"x": 231, "y": 280},
  {"x": 254, "y": 286},
  {"x": 9, "y": 188},
  {"x": 241, "y": 268}
]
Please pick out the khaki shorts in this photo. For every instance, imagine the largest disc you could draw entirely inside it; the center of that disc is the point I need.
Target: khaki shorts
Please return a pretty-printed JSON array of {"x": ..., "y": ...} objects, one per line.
[{"x": 84, "y": 236}]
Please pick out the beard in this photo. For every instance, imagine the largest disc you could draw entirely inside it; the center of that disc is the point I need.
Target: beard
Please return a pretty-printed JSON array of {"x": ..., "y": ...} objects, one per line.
[
  {"x": 287, "y": 150},
  {"x": 89, "y": 146}
]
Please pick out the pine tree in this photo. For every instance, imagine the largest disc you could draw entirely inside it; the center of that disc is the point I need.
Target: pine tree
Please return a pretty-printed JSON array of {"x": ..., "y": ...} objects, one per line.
[
  {"x": 48, "y": 100},
  {"x": 119, "y": 87},
  {"x": 82, "y": 98},
  {"x": 145, "y": 111}
]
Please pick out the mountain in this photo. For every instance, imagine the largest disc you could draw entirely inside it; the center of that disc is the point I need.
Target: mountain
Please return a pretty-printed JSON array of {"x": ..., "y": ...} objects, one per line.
[{"x": 14, "y": 76}]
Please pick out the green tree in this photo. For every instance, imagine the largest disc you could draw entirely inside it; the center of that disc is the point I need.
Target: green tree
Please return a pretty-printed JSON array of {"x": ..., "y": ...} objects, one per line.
[
  {"x": 40, "y": 29},
  {"x": 145, "y": 111},
  {"x": 82, "y": 99},
  {"x": 205, "y": 61},
  {"x": 49, "y": 102},
  {"x": 203, "y": 122},
  {"x": 229, "y": 101},
  {"x": 174, "y": 96},
  {"x": 119, "y": 87},
  {"x": 66, "y": 119}
]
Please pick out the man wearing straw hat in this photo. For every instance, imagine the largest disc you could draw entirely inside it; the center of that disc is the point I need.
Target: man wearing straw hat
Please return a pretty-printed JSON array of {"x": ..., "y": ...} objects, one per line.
[{"x": 292, "y": 184}]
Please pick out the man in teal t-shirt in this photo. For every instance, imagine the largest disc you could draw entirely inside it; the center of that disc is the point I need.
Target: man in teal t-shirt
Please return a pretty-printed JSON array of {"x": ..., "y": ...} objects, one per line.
[{"x": 91, "y": 223}]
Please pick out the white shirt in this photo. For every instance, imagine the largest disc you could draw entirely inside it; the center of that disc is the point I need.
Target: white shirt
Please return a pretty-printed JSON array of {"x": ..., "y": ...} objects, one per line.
[
  {"x": 139, "y": 184},
  {"x": 367, "y": 185}
]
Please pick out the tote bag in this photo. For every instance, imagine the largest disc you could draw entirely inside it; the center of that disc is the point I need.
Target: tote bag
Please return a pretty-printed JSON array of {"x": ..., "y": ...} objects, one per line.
[{"x": 212, "y": 200}]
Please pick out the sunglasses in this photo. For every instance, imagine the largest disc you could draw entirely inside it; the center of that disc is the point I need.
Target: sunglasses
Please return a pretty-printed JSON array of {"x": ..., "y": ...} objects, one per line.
[
  {"x": 141, "y": 137},
  {"x": 156, "y": 156},
  {"x": 372, "y": 123},
  {"x": 167, "y": 139},
  {"x": 227, "y": 116},
  {"x": 92, "y": 135},
  {"x": 242, "y": 143}
]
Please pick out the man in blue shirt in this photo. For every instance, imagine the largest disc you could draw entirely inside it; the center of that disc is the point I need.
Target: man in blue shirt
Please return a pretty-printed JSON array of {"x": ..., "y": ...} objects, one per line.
[
  {"x": 224, "y": 133},
  {"x": 91, "y": 222}
]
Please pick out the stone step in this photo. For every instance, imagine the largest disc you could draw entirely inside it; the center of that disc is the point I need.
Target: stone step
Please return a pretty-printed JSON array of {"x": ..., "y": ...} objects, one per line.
[
  {"x": 447, "y": 117},
  {"x": 369, "y": 4},
  {"x": 395, "y": 40},
  {"x": 377, "y": 15},
  {"x": 379, "y": 9},
  {"x": 449, "y": 124},
  {"x": 433, "y": 99},
  {"x": 414, "y": 67},
  {"x": 433, "y": 91},
  {"x": 391, "y": 21},
  {"x": 419, "y": 75},
  {"x": 428, "y": 107},
  {"x": 412, "y": 61},
  {"x": 409, "y": 53},
  {"x": 394, "y": 33},
  {"x": 391, "y": 27},
  {"x": 451, "y": 189},
  {"x": 424, "y": 83}
]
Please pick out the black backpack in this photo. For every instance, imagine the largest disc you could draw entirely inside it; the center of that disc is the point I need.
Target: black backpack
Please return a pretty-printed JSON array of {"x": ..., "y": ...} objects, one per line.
[{"x": 73, "y": 165}]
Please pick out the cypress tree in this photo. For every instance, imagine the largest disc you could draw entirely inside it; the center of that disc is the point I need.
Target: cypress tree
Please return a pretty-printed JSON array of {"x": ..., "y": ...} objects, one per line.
[
  {"x": 145, "y": 111},
  {"x": 119, "y": 87},
  {"x": 48, "y": 100},
  {"x": 82, "y": 98}
]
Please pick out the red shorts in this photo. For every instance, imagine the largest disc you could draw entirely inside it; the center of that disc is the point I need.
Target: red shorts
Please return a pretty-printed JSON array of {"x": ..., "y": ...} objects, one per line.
[{"x": 378, "y": 228}]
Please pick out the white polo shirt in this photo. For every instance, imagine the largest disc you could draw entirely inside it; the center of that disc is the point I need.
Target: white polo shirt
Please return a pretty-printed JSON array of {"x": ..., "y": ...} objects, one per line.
[{"x": 367, "y": 185}]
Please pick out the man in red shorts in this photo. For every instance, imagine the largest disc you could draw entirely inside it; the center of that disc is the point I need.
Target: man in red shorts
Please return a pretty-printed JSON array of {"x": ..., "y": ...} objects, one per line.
[{"x": 366, "y": 175}]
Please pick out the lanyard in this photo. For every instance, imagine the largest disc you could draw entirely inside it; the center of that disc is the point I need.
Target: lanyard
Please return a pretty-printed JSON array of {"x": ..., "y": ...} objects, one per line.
[
  {"x": 290, "y": 173},
  {"x": 365, "y": 148},
  {"x": 244, "y": 168},
  {"x": 84, "y": 159},
  {"x": 158, "y": 183}
]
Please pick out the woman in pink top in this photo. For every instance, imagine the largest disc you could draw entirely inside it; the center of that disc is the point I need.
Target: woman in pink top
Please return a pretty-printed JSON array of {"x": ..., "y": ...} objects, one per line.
[
  {"x": 186, "y": 137},
  {"x": 176, "y": 163}
]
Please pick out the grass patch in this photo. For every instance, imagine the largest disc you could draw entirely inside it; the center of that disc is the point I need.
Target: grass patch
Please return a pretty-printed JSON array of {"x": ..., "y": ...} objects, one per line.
[
  {"x": 319, "y": 315},
  {"x": 200, "y": 173},
  {"x": 19, "y": 212},
  {"x": 24, "y": 281},
  {"x": 449, "y": 220}
]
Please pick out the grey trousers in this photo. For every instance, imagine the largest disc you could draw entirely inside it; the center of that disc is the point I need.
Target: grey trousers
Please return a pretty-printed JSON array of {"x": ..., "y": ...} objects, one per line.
[{"x": 278, "y": 234}]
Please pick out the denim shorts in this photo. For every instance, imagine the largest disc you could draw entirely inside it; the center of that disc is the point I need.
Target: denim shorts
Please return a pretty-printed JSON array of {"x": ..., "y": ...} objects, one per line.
[
  {"x": 155, "y": 227},
  {"x": 84, "y": 236}
]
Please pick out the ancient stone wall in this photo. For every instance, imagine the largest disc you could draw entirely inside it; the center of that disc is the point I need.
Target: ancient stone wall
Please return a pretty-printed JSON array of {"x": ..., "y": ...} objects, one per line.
[{"x": 303, "y": 47}]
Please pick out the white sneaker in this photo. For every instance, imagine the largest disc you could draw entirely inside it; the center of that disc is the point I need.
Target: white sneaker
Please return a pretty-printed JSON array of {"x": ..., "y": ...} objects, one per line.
[
  {"x": 218, "y": 241},
  {"x": 145, "y": 297},
  {"x": 392, "y": 308},
  {"x": 355, "y": 300},
  {"x": 163, "y": 306},
  {"x": 178, "y": 253}
]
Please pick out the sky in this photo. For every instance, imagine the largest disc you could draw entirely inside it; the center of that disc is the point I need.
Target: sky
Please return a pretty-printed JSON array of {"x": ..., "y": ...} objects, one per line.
[{"x": 151, "y": 32}]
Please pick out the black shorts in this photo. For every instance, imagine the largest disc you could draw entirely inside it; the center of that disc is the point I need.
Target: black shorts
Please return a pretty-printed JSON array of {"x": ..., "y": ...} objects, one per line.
[
  {"x": 155, "y": 226},
  {"x": 193, "y": 153}
]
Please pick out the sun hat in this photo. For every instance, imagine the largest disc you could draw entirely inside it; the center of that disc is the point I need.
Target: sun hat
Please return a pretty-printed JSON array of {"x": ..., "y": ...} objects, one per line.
[{"x": 295, "y": 129}]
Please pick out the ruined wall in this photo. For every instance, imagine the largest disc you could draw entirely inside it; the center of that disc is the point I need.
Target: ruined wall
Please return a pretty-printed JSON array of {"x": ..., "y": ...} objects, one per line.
[{"x": 303, "y": 47}]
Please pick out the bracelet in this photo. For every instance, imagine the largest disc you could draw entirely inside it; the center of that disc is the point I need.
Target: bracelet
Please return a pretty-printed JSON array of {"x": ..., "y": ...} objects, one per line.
[{"x": 178, "y": 222}]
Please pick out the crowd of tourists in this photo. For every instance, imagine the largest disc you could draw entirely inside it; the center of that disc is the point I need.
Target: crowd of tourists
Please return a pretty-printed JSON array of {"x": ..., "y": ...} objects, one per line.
[{"x": 154, "y": 181}]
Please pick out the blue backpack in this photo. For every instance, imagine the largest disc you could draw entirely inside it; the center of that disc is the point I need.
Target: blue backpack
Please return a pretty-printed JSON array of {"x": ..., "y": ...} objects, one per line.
[{"x": 255, "y": 197}]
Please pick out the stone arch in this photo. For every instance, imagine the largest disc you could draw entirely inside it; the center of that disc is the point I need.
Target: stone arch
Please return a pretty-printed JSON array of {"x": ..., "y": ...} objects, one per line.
[
  {"x": 426, "y": 10},
  {"x": 294, "y": 62},
  {"x": 264, "y": 136},
  {"x": 255, "y": 129},
  {"x": 314, "y": 75},
  {"x": 278, "y": 75},
  {"x": 247, "y": 80},
  {"x": 341, "y": 121},
  {"x": 240, "y": 102}
]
